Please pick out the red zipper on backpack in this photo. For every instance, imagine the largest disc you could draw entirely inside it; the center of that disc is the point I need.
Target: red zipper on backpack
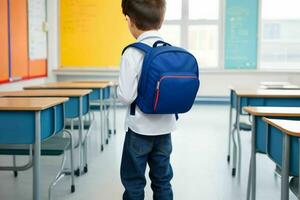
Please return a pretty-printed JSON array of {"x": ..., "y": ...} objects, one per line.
[
  {"x": 158, "y": 85},
  {"x": 163, "y": 77},
  {"x": 156, "y": 99}
]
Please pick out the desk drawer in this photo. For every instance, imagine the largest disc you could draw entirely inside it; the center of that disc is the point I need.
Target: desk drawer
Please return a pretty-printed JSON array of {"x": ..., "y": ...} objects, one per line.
[{"x": 18, "y": 127}]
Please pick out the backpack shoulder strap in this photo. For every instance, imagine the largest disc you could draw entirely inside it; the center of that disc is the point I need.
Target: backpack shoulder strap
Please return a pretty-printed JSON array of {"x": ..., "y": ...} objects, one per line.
[
  {"x": 160, "y": 42},
  {"x": 146, "y": 49},
  {"x": 139, "y": 45}
]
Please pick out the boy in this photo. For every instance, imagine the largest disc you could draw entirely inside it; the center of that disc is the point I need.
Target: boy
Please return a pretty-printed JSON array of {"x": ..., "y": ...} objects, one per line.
[{"x": 148, "y": 138}]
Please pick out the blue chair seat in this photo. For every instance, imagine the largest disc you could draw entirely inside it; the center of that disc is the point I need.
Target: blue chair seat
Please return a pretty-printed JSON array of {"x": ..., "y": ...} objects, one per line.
[
  {"x": 97, "y": 107},
  {"x": 86, "y": 125},
  {"x": 54, "y": 146}
]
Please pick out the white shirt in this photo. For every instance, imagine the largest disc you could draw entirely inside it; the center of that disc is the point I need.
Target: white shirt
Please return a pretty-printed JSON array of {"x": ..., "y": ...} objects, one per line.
[{"x": 130, "y": 70}]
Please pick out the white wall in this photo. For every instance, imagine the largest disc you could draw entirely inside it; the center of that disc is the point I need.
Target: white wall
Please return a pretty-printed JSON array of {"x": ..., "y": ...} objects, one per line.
[
  {"x": 53, "y": 61},
  {"x": 217, "y": 83},
  {"x": 213, "y": 83}
]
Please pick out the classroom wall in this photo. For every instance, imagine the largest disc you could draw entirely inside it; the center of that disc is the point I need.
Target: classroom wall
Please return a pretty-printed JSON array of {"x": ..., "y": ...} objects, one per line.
[
  {"x": 213, "y": 83},
  {"x": 53, "y": 59},
  {"x": 93, "y": 33},
  {"x": 4, "y": 61}
]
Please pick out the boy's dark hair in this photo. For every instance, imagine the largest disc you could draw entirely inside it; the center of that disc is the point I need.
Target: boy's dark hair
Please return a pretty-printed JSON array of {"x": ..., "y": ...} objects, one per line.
[{"x": 145, "y": 14}]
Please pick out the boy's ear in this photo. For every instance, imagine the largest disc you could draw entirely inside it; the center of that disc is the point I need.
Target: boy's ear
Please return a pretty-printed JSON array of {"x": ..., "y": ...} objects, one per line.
[{"x": 128, "y": 20}]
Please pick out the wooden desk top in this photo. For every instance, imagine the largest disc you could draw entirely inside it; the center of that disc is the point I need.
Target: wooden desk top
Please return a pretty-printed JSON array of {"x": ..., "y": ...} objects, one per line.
[
  {"x": 273, "y": 111},
  {"x": 289, "y": 127},
  {"x": 111, "y": 83},
  {"x": 69, "y": 85},
  {"x": 283, "y": 87},
  {"x": 29, "y": 104},
  {"x": 275, "y": 83},
  {"x": 46, "y": 93},
  {"x": 260, "y": 93}
]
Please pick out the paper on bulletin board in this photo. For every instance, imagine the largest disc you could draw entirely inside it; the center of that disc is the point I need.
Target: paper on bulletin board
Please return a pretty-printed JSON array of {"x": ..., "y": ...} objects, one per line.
[
  {"x": 37, "y": 29},
  {"x": 241, "y": 32}
]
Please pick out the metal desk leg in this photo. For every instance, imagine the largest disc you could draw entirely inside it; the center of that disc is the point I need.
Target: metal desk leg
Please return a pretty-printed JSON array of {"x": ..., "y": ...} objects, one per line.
[
  {"x": 110, "y": 107},
  {"x": 101, "y": 120},
  {"x": 298, "y": 194},
  {"x": 114, "y": 107},
  {"x": 298, "y": 168},
  {"x": 237, "y": 121},
  {"x": 249, "y": 180},
  {"x": 229, "y": 132},
  {"x": 83, "y": 139},
  {"x": 253, "y": 160},
  {"x": 80, "y": 135},
  {"x": 108, "y": 120},
  {"x": 85, "y": 168},
  {"x": 15, "y": 164},
  {"x": 36, "y": 157},
  {"x": 285, "y": 168},
  {"x": 105, "y": 112},
  {"x": 239, "y": 139}
]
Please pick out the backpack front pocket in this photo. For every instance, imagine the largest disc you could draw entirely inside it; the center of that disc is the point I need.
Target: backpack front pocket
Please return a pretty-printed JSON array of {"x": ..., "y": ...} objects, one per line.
[{"x": 175, "y": 93}]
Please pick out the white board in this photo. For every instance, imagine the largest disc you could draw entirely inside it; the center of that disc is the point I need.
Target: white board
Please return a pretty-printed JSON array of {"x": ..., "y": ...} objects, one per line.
[{"x": 36, "y": 26}]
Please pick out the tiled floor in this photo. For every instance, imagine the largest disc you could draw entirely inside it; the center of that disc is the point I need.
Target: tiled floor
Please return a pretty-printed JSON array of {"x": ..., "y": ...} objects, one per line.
[{"x": 199, "y": 162}]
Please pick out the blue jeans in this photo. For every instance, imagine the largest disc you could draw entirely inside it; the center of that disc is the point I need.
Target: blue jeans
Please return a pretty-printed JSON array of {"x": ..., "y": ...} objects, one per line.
[{"x": 139, "y": 150}]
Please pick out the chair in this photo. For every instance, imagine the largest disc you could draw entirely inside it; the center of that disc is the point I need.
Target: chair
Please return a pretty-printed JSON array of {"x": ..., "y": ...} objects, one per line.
[{"x": 54, "y": 146}]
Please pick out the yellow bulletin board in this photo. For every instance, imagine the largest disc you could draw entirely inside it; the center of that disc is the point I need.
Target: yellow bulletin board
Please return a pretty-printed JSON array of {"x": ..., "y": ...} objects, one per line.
[{"x": 93, "y": 33}]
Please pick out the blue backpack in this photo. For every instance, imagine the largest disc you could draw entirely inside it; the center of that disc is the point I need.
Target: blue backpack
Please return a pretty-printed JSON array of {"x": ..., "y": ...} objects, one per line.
[{"x": 169, "y": 79}]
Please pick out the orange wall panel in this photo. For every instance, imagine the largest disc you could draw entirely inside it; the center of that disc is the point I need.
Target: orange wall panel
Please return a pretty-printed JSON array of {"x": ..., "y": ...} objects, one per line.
[
  {"x": 19, "y": 39},
  {"x": 37, "y": 68},
  {"x": 4, "y": 55}
]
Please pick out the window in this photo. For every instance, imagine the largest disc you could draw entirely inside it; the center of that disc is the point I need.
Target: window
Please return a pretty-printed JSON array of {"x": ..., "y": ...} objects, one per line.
[
  {"x": 203, "y": 43},
  {"x": 203, "y": 9},
  {"x": 174, "y": 8},
  {"x": 172, "y": 34},
  {"x": 280, "y": 34},
  {"x": 195, "y": 25}
]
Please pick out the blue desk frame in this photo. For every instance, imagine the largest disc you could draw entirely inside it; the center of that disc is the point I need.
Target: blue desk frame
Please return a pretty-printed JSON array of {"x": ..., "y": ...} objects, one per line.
[
  {"x": 285, "y": 154},
  {"x": 99, "y": 95},
  {"x": 39, "y": 130},
  {"x": 237, "y": 103},
  {"x": 82, "y": 105},
  {"x": 259, "y": 143}
]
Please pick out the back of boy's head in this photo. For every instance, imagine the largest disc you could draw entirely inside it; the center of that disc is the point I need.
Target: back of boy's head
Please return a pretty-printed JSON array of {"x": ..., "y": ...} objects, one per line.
[{"x": 145, "y": 14}]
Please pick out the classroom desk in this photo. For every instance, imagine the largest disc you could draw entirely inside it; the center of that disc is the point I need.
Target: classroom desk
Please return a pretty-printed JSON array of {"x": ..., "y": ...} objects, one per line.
[
  {"x": 76, "y": 107},
  {"x": 284, "y": 87},
  {"x": 97, "y": 93},
  {"x": 279, "y": 86},
  {"x": 39, "y": 116},
  {"x": 259, "y": 135},
  {"x": 112, "y": 84},
  {"x": 283, "y": 148},
  {"x": 240, "y": 98}
]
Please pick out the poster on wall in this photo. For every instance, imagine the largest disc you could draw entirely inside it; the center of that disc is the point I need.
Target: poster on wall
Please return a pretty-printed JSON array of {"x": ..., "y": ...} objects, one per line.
[
  {"x": 37, "y": 29},
  {"x": 241, "y": 31}
]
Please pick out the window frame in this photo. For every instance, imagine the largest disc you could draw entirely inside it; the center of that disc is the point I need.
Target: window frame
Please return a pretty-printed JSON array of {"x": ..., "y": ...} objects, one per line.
[
  {"x": 260, "y": 67},
  {"x": 184, "y": 22}
]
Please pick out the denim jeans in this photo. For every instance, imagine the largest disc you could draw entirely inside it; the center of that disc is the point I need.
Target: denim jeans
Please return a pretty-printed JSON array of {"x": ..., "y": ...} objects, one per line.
[{"x": 139, "y": 150}]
